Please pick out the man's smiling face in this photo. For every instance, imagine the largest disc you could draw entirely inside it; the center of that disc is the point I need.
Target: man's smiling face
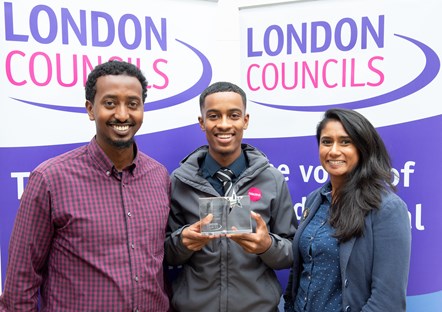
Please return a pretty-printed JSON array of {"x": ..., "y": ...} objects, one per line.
[{"x": 224, "y": 120}]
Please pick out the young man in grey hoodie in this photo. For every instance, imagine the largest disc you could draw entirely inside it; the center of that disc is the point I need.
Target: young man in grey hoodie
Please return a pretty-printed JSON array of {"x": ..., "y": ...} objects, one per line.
[{"x": 233, "y": 272}]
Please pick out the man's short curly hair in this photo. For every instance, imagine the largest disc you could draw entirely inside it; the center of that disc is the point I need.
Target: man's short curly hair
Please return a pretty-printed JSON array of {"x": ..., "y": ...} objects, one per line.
[
  {"x": 222, "y": 86},
  {"x": 113, "y": 67}
]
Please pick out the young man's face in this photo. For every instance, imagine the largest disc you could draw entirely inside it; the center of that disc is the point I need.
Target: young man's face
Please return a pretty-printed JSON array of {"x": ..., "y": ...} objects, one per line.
[
  {"x": 118, "y": 111},
  {"x": 224, "y": 120}
]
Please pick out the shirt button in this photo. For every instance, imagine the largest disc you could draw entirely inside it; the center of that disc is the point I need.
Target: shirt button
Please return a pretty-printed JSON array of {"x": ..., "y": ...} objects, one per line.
[
  {"x": 136, "y": 278},
  {"x": 132, "y": 246},
  {"x": 346, "y": 282},
  {"x": 347, "y": 309},
  {"x": 129, "y": 214},
  {"x": 108, "y": 173}
]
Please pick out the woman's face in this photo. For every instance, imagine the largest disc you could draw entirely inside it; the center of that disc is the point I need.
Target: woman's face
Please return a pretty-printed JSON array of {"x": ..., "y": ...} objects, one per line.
[{"x": 337, "y": 153}]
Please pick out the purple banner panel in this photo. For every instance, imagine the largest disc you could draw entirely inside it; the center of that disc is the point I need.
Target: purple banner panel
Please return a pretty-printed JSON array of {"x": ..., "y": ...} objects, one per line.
[{"x": 414, "y": 148}]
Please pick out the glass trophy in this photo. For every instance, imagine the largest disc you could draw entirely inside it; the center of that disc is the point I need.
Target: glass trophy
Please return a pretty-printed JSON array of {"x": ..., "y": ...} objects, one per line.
[{"x": 230, "y": 215}]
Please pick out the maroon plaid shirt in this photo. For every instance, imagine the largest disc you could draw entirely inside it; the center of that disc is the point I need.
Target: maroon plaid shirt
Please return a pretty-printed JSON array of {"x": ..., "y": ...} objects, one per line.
[{"x": 88, "y": 238}]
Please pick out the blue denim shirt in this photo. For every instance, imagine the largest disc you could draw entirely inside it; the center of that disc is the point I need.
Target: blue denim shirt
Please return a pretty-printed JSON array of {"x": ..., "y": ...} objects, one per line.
[{"x": 320, "y": 282}]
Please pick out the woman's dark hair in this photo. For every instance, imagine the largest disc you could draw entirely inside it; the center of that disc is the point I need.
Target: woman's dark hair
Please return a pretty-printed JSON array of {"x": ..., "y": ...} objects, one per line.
[
  {"x": 116, "y": 68},
  {"x": 365, "y": 184}
]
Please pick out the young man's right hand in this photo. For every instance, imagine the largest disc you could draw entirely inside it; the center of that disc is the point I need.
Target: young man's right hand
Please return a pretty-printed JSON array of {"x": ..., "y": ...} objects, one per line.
[{"x": 192, "y": 238}]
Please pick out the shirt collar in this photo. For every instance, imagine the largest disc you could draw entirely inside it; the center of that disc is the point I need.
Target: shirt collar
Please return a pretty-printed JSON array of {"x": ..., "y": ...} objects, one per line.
[
  {"x": 238, "y": 166},
  {"x": 326, "y": 190},
  {"x": 104, "y": 162}
]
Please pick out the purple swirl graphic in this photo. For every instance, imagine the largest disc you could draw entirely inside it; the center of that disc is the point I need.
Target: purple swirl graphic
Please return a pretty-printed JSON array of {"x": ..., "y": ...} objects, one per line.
[
  {"x": 192, "y": 92},
  {"x": 179, "y": 98},
  {"x": 430, "y": 71}
]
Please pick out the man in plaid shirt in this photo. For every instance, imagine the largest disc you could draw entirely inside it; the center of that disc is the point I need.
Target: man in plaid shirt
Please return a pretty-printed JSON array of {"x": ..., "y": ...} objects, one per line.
[{"x": 90, "y": 229}]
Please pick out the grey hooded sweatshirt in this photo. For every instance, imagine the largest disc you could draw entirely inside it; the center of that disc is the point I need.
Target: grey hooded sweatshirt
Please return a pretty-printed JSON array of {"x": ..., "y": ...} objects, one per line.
[{"x": 222, "y": 276}]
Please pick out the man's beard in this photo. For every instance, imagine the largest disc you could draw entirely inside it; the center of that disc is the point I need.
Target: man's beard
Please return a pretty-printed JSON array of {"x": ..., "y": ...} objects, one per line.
[{"x": 122, "y": 144}]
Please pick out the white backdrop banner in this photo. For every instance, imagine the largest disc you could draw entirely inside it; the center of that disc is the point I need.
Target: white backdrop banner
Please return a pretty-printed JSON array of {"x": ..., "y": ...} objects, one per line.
[
  {"x": 381, "y": 58},
  {"x": 49, "y": 47}
]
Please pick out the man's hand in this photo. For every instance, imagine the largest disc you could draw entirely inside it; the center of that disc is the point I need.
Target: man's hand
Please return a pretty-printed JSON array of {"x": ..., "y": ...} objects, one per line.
[
  {"x": 193, "y": 239},
  {"x": 255, "y": 243}
]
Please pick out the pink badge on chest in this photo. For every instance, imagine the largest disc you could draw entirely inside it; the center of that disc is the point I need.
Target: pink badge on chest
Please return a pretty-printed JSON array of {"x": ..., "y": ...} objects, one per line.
[{"x": 255, "y": 194}]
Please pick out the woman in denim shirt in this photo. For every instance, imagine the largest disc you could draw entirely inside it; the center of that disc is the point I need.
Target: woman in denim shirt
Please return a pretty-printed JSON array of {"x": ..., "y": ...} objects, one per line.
[{"x": 352, "y": 248}]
